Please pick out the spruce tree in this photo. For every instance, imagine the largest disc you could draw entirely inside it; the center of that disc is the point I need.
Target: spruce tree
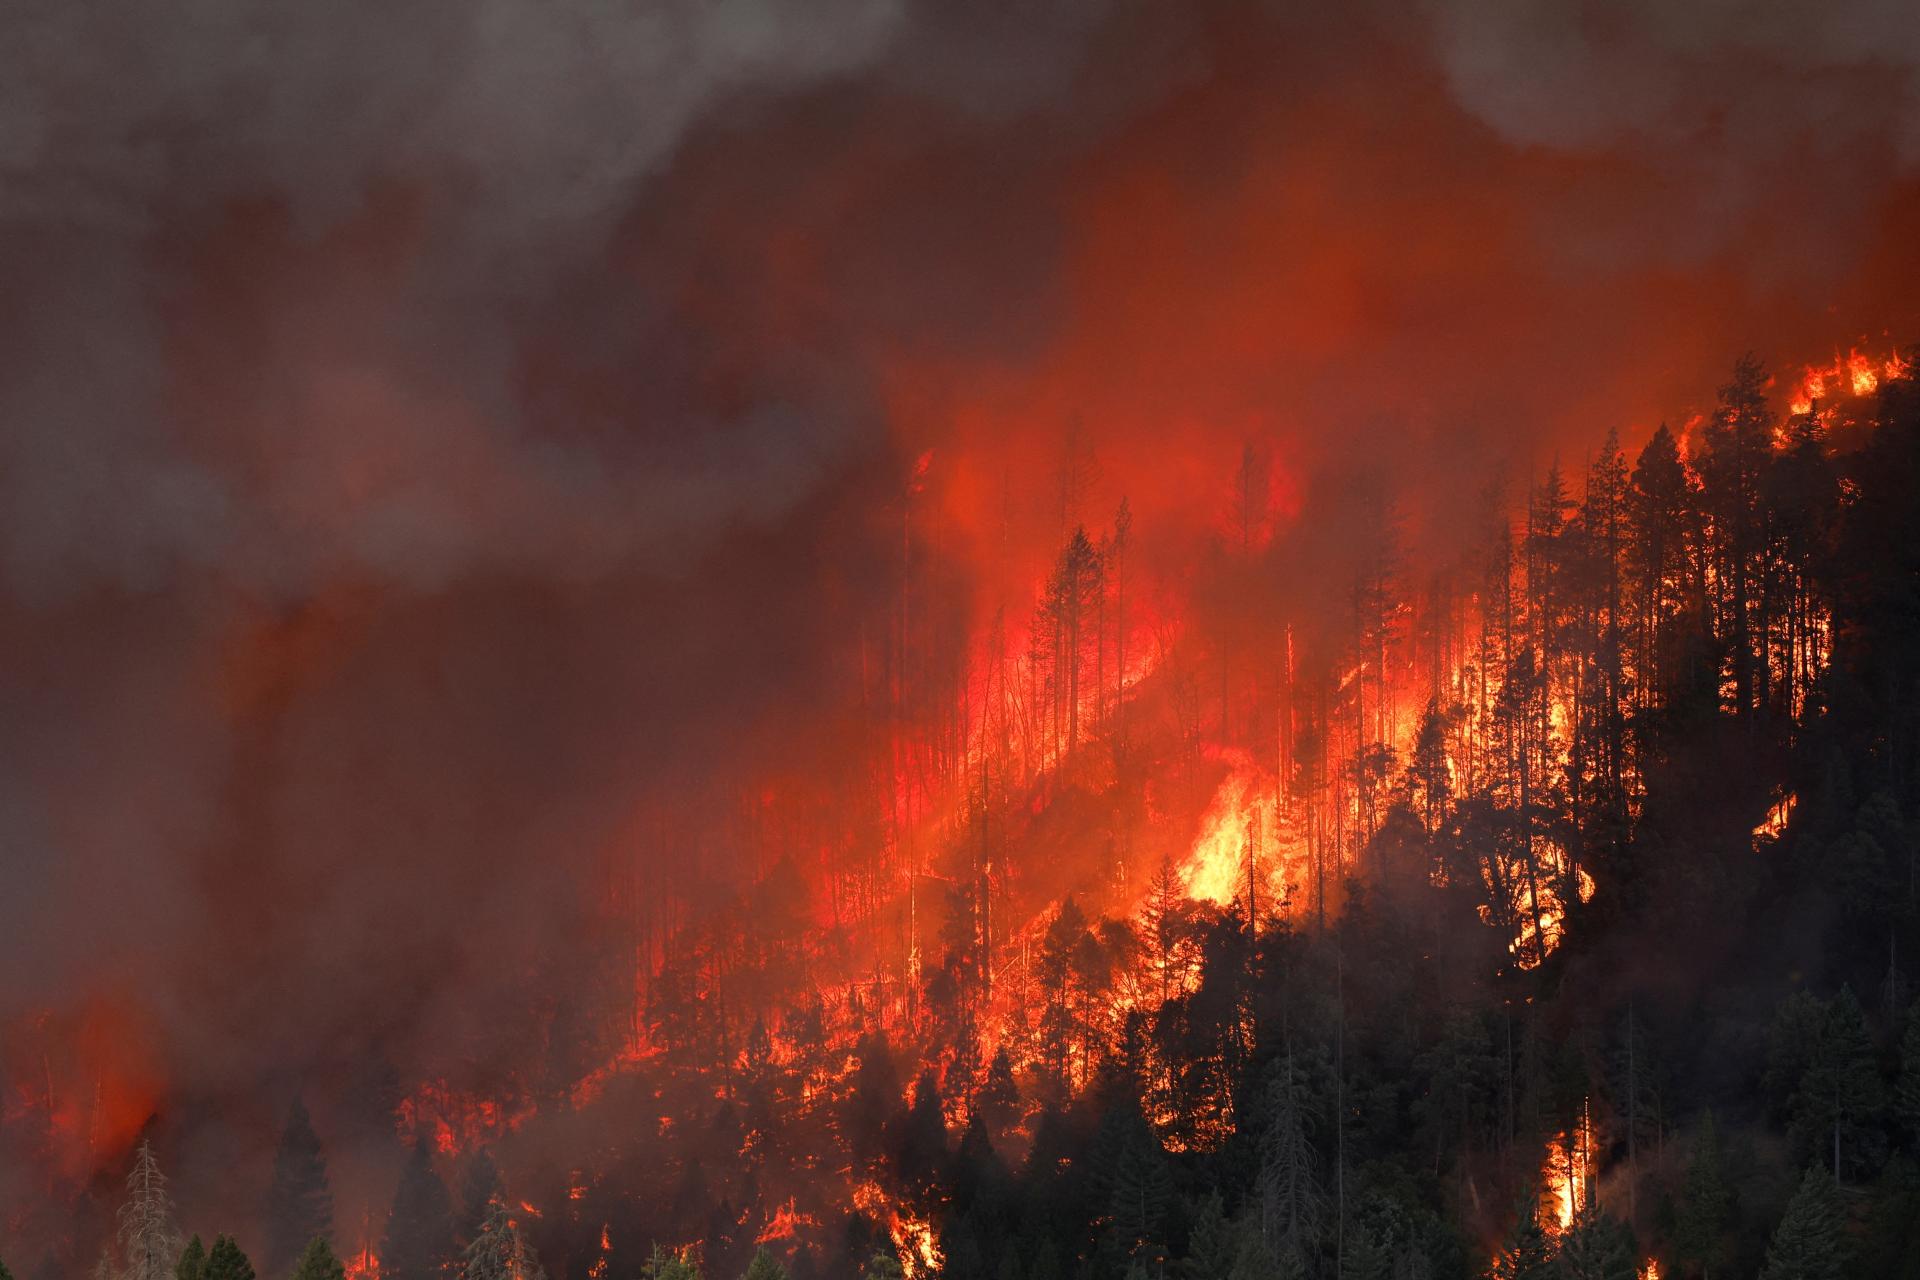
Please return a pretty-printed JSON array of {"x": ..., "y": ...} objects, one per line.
[
  {"x": 479, "y": 1185},
  {"x": 1706, "y": 1204},
  {"x": 1292, "y": 1204},
  {"x": 1211, "y": 1242},
  {"x": 1526, "y": 1253},
  {"x": 885, "y": 1266},
  {"x": 318, "y": 1262},
  {"x": 1810, "y": 1242},
  {"x": 1597, "y": 1246},
  {"x": 419, "y": 1241},
  {"x": 193, "y": 1261},
  {"x": 765, "y": 1267},
  {"x": 663, "y": 1265},
  {"x": 299, "y": 1204},
  {"x": 1840, "y": 1098},
  {"x": 225, "y": 1261}
]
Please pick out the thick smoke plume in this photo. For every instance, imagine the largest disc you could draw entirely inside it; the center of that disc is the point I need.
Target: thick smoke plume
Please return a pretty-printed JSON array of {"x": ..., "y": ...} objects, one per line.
[{"x": 433, "y": 436}]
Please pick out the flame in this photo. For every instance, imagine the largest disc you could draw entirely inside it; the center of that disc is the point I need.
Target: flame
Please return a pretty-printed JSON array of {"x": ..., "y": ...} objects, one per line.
[
  {"x": 914, "y": 1238},
  {"x": 1778, "y": 814},
  {"x": 785, "y": 1223},
  {"x": 1567, "y": 1174},
  {"x": 1855, "y": 374}
]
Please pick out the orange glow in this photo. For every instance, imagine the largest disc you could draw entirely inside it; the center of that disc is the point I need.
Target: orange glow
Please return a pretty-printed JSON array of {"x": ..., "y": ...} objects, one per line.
[
  {"x": 914, "y": 1239},
  {"x": 1854, "y": 374}
]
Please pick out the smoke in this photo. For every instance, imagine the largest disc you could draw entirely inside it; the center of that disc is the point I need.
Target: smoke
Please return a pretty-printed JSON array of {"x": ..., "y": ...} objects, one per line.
[{"x": 431, "y": 434}]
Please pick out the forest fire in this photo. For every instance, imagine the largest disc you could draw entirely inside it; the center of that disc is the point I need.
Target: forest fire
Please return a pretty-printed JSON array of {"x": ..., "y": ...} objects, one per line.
[{"x": 865, "y": 641}]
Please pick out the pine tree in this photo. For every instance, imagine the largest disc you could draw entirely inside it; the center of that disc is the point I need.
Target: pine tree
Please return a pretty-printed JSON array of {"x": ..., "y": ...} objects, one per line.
[
  {"x": 1840, "y": 1097},
  {"x": 500, "y": 1252},
  {"x": 663, "y": 1265},
  {"x": 226, "y": 1262},
  {"x": 4, "y": 1273},
  {"x": 479, "y": 1185},
  {"x": 1810, "y": 1243},
  {"x": 1212, "y": 1243},
  {"x": 1292, "y": 1204},
  {"x": 885, "y": 1266},
  {"x": 1706, "y": 1204},
  {"x": 1526, "y": 1254},
  {"x": 765, "y": 1267},
  {"x": 1597, "y": 1246},
  {"x": 318, "y": 1263},
  {"x": 193, "y": 1261},
  {"x": 419, "y": 1241},
  {"x": 149, "y": 1242},
  {"x": 299, "y": 1204}
]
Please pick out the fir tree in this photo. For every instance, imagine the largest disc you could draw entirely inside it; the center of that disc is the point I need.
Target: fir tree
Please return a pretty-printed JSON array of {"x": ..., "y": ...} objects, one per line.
[
  {"x": 765, "y": 1267},
  {"x": 318, "y": 1262},
  {"x": 885, "y": 1266},
  {"x": 299, "y": 1204},
  {"x": 1526, "y": 1253},
  {"x": 663, "y": 1265},
  {"x": 193, "y": 1261},
  {"x": 1810, "y": 1242},
  {"x": 1597, "y": 1246},
  {"x": 1212, "y": 1243},
  {"x": 1840, "y": 1096},
  {"x": 479, "y": 1185},
  {"x": 1706, "y": 1204},
  {"x": 1292, "y": 1203},
  {"x": 226, "y": 1262},
  {"x": 419, "y": 1241},
  {"x": 149, "y": 1242}
]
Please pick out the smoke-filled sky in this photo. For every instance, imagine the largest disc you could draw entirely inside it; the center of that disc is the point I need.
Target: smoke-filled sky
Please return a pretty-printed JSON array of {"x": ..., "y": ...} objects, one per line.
[{"x": 427, "y": 430}]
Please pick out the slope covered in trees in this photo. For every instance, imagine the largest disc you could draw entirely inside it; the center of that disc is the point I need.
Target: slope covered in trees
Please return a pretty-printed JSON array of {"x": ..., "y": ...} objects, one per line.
[{"x": 1540, "y": 903}]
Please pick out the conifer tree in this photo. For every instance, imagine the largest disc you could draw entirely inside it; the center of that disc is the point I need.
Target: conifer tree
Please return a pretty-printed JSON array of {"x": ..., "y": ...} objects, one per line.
[
  {"x": 1840, "y": 1097},
  {"x": 318, "y": 1262},
  {"x": 479, "y": 1185},
  {"x": 765, "y": 1267},
  {"x": 1810, "y": 1242},
  {"x": 193, "y": 1261},
  {"x": 663, "y": 1265},
  {"x": 225, "y": 1261},
  {"x": 1212, "y": 1243},
  {"x": 419, "y": 1240},
  {"x": 500, "y": 1252},
  {"x": 885, "y": 1266},
  {"x": 1526, "y": 1253},
  {"x": 1706, "y": 1204},
  {"x": 299, "y": 1203},
  {"x": 1292, "y": 1204},
  {"x": 1597, "y": 1246},
  {"x": 149, "y": 1242}
]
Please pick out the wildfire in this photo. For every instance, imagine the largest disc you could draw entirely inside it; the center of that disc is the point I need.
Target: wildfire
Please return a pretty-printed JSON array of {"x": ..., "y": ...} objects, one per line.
[
  {"x": 785, "y": 1223},
  {"x": 1229, "y": 845},
  {"x": 1567, "y": 1175},
  {"x": 1778, "y": 814},
  {"x": 1855, "y": 374},
  {"x": 914, "y": 1238}
]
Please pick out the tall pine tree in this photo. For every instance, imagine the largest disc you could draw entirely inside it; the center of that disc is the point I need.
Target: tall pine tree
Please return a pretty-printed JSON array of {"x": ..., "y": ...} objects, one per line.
[{"x": 299, "y": 1203}]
